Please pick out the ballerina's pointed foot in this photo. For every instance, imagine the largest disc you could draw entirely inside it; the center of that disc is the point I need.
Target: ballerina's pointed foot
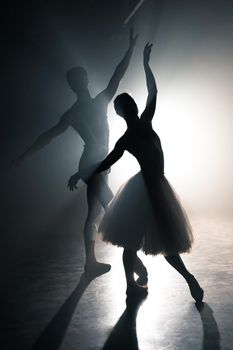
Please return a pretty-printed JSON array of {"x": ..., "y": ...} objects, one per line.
[
  {"x": 96, "y": 268},
  {"x": 135, "y": 290},
  {"x": 195, "y": 289},
  {"x": 142, "y": 280},
  {"x": 142, "y": 273}
]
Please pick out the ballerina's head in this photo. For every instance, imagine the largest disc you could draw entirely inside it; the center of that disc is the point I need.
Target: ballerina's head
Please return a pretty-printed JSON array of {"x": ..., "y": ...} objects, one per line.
[{"x": 126, "y": 107}]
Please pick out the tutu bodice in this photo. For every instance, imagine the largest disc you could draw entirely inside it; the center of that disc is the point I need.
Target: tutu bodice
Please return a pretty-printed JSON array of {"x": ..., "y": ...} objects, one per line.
[{"x": 144, "y": 144}]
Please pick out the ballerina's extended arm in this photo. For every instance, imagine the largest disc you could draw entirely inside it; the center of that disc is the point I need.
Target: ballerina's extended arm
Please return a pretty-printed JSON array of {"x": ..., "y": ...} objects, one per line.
[
  {"x": 149, "y": 111},
  {"x": 89, "y": 173}
]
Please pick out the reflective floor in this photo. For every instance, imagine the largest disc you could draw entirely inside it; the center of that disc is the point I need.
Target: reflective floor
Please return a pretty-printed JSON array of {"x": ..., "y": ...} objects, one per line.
[{"x": 52, "y": 305}]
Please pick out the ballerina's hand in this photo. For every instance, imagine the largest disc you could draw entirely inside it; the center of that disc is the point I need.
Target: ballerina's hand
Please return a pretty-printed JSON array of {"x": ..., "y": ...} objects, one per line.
[
  {"x": 72, "y": 183},
  {"x": 147, "y": 52}
]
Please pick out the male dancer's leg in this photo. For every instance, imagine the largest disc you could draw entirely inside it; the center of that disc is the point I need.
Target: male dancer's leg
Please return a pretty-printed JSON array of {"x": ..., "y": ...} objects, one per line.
[
  {"x": 94, "y": 210},
  {"x": 100, "y": 188}
]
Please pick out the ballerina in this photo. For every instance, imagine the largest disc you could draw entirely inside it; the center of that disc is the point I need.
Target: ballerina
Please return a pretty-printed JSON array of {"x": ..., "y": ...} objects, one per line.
[{"x": 145, "y": 213}]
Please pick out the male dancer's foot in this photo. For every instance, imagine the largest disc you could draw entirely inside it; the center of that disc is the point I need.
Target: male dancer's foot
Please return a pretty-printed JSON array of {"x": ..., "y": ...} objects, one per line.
[
  {"x": 96, "y": 268},
  {"x": 92, "y": 266}
]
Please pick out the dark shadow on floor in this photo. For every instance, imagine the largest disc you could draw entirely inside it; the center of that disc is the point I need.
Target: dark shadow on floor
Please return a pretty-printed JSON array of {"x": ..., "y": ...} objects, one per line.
[
  {"x": 211, "y": 335},
  {"x": 124, "y": 333},
  {"x": 52, "y": 336}
]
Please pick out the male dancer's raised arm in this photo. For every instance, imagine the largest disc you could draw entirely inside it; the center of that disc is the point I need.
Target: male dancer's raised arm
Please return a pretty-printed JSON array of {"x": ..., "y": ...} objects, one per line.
[
  {"x": 120, "y": 70},
  {"x": 65, "y": 121}
]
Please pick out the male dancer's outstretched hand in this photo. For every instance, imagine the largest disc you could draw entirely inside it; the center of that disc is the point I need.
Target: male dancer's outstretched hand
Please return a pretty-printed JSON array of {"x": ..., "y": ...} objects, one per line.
[
  {"x": 86, "y": 174},
  {"x": 72, "y": 183}
]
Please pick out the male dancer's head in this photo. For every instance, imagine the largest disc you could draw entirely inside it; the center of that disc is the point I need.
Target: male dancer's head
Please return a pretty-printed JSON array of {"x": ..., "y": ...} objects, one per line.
[{"x": 77, "y": 79}]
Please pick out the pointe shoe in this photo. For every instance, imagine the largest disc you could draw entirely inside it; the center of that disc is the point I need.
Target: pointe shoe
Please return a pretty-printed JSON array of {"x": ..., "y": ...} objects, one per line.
[
  {"x": 135, "y": 290},
  {"x": 196, "y": 291},
  {"x": 142, "y": 280},
  {"x": 96, "y": 268}
]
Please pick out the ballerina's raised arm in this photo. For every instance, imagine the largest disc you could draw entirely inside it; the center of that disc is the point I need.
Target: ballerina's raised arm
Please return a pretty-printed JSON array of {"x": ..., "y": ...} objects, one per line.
[{"x": 149, "y": 111}]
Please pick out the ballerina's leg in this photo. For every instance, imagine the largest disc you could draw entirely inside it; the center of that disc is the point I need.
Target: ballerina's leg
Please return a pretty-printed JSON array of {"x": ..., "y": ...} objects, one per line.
[
  {"x": 141, "y": 271},
  {"x": 129, "y": 257},
  {"x": 195, "y": 289}
]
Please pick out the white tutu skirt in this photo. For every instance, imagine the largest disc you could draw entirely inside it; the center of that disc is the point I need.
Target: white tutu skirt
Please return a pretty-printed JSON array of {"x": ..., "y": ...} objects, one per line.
[{"x": 150, "y": 218}]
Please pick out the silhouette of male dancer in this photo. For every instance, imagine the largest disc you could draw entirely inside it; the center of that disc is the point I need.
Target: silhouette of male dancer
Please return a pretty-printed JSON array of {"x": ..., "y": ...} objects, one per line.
[{"x": 88, "y": 116}]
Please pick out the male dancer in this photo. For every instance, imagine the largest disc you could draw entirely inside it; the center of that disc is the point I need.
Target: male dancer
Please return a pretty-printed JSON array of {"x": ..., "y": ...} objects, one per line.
[{"x": 88, "y": 116}]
